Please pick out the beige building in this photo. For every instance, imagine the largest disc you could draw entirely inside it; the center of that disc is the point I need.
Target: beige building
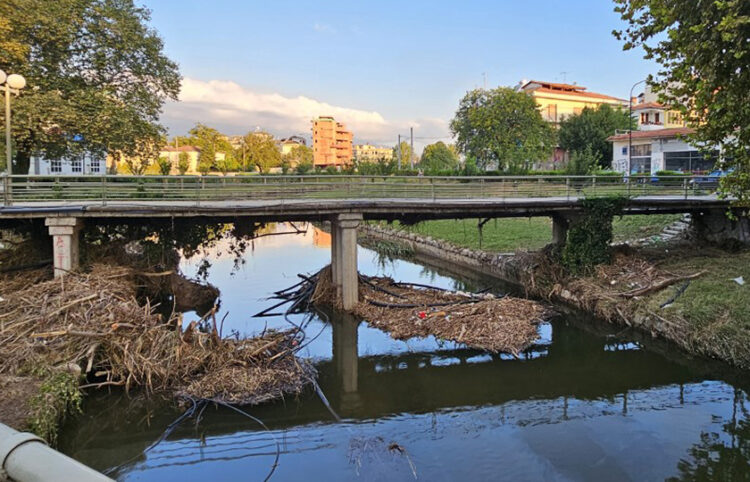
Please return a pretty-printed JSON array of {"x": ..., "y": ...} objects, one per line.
[
  {"x": 370, "y": 153},
  {"x": 557, "y": 101},
  {"x": 332, "y": 143}
]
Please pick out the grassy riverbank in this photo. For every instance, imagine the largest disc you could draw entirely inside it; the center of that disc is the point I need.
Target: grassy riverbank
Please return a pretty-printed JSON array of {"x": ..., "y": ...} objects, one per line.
[{"x": 510, "y": 234}]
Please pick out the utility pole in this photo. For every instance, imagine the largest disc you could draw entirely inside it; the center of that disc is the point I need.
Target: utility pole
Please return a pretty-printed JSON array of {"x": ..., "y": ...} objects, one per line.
[
  {"x": 411, "y": 157},
  {"x": 398, "y": 151}
]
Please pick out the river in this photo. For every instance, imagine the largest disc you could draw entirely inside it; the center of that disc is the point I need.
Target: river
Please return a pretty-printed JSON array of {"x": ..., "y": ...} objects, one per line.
[{"x": 586, "y": 402}]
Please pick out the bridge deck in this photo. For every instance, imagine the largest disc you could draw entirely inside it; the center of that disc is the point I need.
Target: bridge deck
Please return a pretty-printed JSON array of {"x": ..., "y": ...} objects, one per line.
[{"x": 376, "y": 208}]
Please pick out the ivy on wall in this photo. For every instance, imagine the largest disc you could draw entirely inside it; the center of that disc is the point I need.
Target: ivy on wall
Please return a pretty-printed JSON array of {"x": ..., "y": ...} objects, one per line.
[{"x": 590, "y": 235}]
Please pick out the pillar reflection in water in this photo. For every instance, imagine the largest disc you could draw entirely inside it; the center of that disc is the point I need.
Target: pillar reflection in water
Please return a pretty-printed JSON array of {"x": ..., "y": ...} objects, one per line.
[{"x": 346, "y": 359}]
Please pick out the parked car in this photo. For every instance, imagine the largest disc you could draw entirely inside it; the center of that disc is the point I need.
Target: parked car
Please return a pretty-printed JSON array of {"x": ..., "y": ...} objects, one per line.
[{"x": 711, "y": 181}]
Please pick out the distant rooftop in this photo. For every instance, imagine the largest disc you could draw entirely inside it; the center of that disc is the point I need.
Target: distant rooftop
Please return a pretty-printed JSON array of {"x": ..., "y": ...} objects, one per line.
[
  {"x": 655, "y": 134},
  {"x": 559, "y": 88}
]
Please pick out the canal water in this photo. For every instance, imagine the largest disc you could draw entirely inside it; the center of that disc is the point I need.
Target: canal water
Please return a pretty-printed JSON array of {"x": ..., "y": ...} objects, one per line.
[{"x": 586, "y": 402}]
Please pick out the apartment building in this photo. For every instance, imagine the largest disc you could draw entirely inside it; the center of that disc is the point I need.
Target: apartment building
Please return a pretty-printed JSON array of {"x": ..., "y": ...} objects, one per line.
[
  {"x": 332, "y": 143},
  {"x": 557, "y": 101},
  {"x": 370, "y": 153}
]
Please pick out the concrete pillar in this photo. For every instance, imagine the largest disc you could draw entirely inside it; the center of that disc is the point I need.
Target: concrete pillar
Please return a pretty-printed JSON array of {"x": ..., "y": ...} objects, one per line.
[
  {"x": 559, "y": 229},
  {"x": 344, "y": 258},
  {"x": 65, "y": 249}
]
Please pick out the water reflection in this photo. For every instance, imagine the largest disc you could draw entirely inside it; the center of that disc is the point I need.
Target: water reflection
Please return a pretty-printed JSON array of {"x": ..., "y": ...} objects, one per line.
[{"x": 580, "y": 404}]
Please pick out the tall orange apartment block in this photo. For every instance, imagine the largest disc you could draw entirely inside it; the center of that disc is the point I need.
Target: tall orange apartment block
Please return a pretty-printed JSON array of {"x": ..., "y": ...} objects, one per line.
[{"x": 332, "y": 143}]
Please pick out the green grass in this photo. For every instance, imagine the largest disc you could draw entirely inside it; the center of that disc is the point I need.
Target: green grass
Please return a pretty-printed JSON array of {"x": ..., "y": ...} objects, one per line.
[
  {"x": 716, "y": 308},
  {"x": 510, "y": 234}
]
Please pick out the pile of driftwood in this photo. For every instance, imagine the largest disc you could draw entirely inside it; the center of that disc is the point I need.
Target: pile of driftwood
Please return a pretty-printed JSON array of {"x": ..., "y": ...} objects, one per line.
[
  {"x": 94, "y": 322},
  {"x": 481, "y": 321}
]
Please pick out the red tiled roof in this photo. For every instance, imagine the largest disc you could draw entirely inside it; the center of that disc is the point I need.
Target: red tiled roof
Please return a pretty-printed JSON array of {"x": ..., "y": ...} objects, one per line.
[
  {"x": 649, "y": 105},
  {"x": 555, "y": 85},
  {"x": 580, "y": 93},
  {"x": 655, "y": 134}
]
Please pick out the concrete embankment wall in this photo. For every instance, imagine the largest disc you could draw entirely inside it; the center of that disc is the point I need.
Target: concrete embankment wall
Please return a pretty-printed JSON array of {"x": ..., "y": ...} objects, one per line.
[{"x": 497, "y": 265}]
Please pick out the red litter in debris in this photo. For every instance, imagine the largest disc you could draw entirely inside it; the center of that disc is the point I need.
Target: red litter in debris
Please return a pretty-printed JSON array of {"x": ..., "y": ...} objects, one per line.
[{"x": 422, "y": 315}]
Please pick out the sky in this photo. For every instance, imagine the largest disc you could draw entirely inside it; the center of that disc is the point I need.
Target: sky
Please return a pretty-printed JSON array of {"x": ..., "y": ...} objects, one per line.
[{"x": 381, "y": 66}]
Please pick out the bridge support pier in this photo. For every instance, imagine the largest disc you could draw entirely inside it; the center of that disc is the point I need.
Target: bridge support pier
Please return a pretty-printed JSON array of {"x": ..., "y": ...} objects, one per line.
[
  {"x": 560, "y": 224},
  {"x": 65, "y": 244},
  {"x": 344, "y": 258}
]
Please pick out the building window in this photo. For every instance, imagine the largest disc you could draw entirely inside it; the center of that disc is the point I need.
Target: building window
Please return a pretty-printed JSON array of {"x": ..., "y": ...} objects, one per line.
[
  {"x": 96, "y": 165},
  {"x": 690, "y": 161},
  {"x": 656, "y": 118},
  {"x": 552, "y": 113},
  {"x": 76, "y": 165},
  {"x": 55, "y": 165},
  {"x": 640, "y": 159},
  {"x": 674, "y": 118}
]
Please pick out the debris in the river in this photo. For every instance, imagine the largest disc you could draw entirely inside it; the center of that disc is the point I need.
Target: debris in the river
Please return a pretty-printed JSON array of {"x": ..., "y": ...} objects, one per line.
[
  {"x": 94, "y": 321},
  {"x": 369, "y": 454},
  {"x": 480, "y": 321}
]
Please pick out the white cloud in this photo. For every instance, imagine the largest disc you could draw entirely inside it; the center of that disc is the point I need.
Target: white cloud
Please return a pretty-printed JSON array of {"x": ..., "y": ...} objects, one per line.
[
  {"x": 235, "y": 109},
  {"x": 323, "y": 28}
]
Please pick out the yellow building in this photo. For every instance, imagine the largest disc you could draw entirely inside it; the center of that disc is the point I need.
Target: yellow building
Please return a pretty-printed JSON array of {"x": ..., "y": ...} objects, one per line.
[
  {"x": 557, "y": 101},
  {"x": 169, "y": 152},
  {"x": 370, "y": 153}
]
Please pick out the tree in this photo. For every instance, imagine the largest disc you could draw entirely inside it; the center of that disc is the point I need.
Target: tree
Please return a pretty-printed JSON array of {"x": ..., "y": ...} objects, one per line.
[
  {"x": 261, "y": 151},
  {"x": 183, "y": 163},
  {"x": 407, "y": 156},
  {"x": 97, "y": 78},
  {"x": 590, "y": 130},
  {"x": 503, "y": 128},
  {"x": 227, "y": 164},
  {"x": 206, "y": 159},
  {"x": 438, "y": 157},
  {"x": 704, "y": 55},
  {"x": 298, "y": 155},
  {"x": 165, "y": 166},
  {"x": 583, "y": 162}
]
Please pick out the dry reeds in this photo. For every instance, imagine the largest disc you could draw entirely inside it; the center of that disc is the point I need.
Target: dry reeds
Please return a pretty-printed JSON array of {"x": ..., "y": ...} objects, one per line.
[
  {"x": 405, "y": 311},
  {"x": 94, "y": 321}
]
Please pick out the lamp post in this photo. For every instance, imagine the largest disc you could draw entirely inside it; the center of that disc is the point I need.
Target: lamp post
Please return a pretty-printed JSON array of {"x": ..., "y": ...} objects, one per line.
[
  {"x": 630, "y": 127},
  {"x": 10, "y": 84}
]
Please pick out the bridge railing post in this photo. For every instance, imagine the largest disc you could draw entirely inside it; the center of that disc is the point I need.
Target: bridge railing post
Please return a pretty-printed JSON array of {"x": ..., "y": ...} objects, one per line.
[
  {"x": 432, "y": 187},
  {"x": 6, "y": 190},
  {"x": 685, "y": 187},
  {"x": 104, "y": 190},
  {"x": 567, "y": 188}
]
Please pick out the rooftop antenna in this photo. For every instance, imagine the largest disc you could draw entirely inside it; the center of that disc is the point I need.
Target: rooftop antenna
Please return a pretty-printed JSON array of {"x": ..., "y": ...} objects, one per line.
[{"x": 564, "y": 76}]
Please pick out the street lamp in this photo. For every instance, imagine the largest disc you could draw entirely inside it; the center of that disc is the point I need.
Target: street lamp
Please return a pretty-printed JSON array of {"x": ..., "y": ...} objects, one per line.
[
  {"x": 630, "y": 126},
  {"x": 10, "y": 84}
]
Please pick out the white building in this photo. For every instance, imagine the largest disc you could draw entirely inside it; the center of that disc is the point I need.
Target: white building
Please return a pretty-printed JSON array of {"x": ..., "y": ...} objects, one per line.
[
  {"x": 85, "y": 164},
  {"x": 659, "y": 143},
  {"x": 658, "y": 150}
]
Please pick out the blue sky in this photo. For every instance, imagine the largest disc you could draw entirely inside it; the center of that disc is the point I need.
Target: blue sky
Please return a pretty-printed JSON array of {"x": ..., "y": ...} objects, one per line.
[{"x": 378, "y": 66}]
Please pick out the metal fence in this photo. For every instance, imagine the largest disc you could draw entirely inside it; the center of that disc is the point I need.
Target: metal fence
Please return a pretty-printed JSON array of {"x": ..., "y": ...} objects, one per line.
[{"x": 197, "y": 189}]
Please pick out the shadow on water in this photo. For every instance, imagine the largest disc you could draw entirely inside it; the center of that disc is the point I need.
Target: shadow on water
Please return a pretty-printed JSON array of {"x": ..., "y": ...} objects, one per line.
[{"x": 586, "y": 402}]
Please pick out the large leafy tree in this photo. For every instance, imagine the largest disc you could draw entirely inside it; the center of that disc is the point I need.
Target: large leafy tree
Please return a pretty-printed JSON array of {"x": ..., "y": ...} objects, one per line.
[
  {"x": 703, "y": 50},
  {"x": 97, "y": 77},
  {"x": 408, "y": 157},
  {"x": 262, "y": 151},
  {"x": 438, "y": 157},
  {"x": 590, "y": 129},
  {"x": 503, "y": 128}
]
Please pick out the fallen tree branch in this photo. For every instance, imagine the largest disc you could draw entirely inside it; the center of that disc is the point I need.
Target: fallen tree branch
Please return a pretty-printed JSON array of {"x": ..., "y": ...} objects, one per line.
[{"x": 660, "y": 285}]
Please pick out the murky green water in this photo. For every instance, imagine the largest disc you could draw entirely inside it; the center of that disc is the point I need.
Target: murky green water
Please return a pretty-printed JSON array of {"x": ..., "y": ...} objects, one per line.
[{"x": 584, "y": 403}]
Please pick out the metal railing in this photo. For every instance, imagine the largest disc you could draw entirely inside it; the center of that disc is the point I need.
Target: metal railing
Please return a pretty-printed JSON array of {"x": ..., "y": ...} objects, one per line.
[{"x": 198, "y": 189}]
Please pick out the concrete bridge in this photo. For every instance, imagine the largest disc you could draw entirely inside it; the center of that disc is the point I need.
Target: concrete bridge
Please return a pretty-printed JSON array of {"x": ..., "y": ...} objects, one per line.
[{"x": 66, "y": 202}]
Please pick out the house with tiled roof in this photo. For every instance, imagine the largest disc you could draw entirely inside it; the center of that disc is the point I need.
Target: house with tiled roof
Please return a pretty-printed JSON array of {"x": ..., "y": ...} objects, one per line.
[
  {"x": 557, "y": 101},
  {"x": 659, "y": 143}
]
